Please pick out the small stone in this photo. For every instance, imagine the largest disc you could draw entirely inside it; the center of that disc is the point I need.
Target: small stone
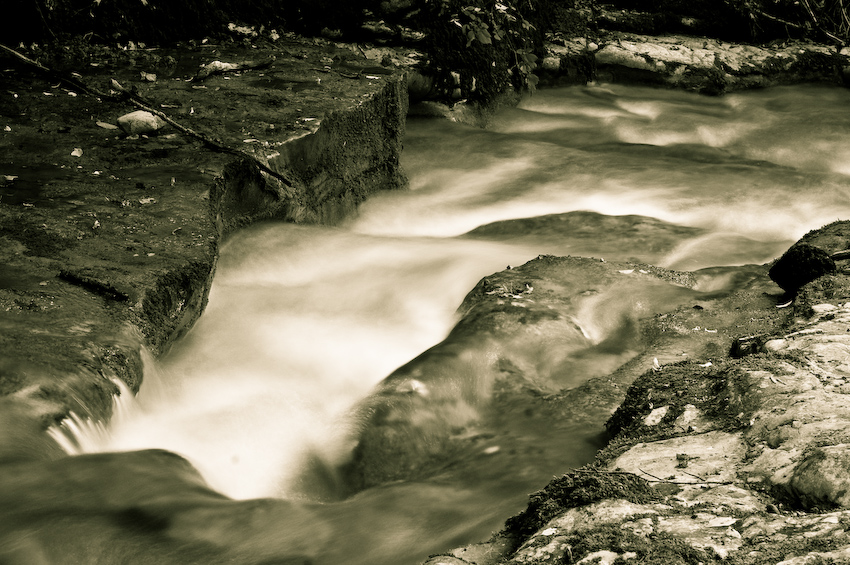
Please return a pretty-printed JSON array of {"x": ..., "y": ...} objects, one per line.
[
  {"x": 140, "y": 122},
  {"x": 721, "y": 521},
  {"x": 602, "y": 557},
  {"x": 655, "y": 417},
  {"x": 688, "y": 418},
  {"x": 776, "y": 345},
  {"x": 77, "y": 152}
]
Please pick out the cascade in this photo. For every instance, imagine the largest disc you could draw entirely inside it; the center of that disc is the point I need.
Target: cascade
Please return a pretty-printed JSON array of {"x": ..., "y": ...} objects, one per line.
[{"x": 263, "y": 396}]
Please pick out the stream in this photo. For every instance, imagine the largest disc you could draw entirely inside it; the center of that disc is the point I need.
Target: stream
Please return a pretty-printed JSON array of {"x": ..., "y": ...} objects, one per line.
[{"x": 304, "y": 322}]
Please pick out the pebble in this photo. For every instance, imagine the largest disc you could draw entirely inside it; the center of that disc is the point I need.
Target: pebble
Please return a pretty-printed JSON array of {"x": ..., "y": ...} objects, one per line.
[
  {"x": 140, "y": 122},
  {"x": 776, "y": 345}
]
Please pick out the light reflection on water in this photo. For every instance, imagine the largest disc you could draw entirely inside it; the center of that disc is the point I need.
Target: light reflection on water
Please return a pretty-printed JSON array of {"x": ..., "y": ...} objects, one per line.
[{"x": 303, "y": 322}]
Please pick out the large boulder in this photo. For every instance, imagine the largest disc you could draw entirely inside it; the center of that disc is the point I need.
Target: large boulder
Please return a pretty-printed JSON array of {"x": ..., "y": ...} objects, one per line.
[{"x": 525, "y": 333}]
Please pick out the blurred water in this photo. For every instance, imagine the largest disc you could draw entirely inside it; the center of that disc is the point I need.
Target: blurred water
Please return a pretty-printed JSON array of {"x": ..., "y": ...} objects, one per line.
[{"x": 304, "y": 322}]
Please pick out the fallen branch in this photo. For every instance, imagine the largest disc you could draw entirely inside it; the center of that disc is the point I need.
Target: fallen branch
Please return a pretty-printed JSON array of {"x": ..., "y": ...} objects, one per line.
[
  {"x": 813, "y": 16},
  {"x": 143, "y": 104},
  {"x": 69, "y": 81}
]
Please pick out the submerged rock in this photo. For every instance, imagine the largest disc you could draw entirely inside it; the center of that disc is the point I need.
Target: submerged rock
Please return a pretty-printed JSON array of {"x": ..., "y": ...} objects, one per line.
[
  {"x": 526, "y": 332},
  {"x": 741, "y": 459}
]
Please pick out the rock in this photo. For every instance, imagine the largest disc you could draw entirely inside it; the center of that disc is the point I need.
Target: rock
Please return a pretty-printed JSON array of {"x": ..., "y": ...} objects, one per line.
[
  {"x": 692, "y": 63},
  {"x": 832, "y": 238},
  {"x": 487, "y": 553},
  {"x": 520, "y": 331},
  {"x": 824, "y": 476},
  {"x": 655, "y": 417},
  {"x": 748, "y": 345},
  {"x": 420, "y": 87},
  {"x": 776, "y": 345},
  {"x": 140, "y": 122},
  {"x": 801, "y": 264},
  {"x": 839, "y": 556},
  {"x": 446, "y": 560},
  {"x": 606, "y": 557}
]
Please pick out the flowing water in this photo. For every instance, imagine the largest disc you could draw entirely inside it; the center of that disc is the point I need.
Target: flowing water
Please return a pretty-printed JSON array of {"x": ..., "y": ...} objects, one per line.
[{"x": 304, "y": 322}]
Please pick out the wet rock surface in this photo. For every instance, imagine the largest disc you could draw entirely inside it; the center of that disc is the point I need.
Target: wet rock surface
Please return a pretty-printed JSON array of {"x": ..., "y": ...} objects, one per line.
[
  {"x": 713, "y": 458},
  {"x": 523, "y": 335},
  {"x": 109, "y": 238}
]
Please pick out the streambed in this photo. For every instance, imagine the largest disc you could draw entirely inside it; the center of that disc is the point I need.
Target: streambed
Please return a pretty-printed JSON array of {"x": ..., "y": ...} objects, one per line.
[{"x": 263, "y": 396}]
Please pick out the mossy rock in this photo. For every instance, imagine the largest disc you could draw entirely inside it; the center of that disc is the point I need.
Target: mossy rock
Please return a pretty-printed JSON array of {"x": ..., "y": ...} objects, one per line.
[
  {"x": 676, "y": 386},
  {"x": 575, "y": 489}
]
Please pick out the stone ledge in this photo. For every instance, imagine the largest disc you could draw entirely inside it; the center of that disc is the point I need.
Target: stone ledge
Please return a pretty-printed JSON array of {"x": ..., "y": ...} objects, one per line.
[
  {"x": 692, "y": 63},
  {"x": 109, "y": 243}
]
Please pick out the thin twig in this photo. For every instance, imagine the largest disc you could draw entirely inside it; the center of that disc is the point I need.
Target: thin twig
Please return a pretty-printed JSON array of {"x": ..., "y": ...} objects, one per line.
[
  {"x": 70, "y": 82},
  {"x": 655, "y": 479},
  {"x": 43, "y": 19},
  {"x": 671, "y": 482}
]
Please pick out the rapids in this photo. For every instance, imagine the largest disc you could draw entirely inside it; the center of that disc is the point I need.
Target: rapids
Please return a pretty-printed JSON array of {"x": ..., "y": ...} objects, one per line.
[{"x": 303, "y": 321}]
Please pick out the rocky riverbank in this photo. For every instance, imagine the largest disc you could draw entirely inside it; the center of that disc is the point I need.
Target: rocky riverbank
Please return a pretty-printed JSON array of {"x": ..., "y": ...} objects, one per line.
[
  {"x": 735, "y": 453},
  {"x": 701, "y": 64}
]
